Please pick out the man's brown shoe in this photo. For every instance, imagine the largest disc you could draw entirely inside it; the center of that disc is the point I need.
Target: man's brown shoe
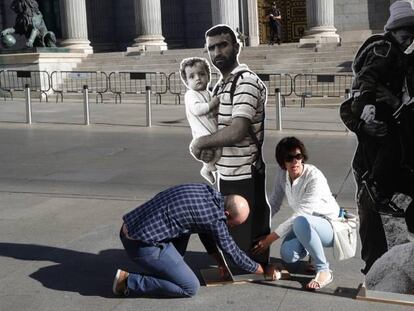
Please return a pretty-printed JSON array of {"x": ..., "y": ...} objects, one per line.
[{"x": 119, "y": 286}]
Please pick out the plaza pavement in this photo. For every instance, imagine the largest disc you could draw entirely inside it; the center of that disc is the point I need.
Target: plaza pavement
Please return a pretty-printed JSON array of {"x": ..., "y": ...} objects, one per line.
[{"x": 64, "y": 188}]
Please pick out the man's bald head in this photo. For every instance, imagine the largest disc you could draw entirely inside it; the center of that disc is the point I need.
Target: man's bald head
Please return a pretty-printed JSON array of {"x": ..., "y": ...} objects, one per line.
[{"x": 236, "y": 209}]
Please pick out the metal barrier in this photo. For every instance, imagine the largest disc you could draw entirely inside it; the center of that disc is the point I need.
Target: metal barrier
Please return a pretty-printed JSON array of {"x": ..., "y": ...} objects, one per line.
[
  {"x": 178, "y": 88},
  {"x": 73, "y": 82},
  {"x": 16, "y": 80},
  {"x": 2, "y": 92},
  {"x": 136, "y": 83},
  {"x": 320, "y": 85},
  {"x": 278, "y": 81},
  {"x": 281, "y": 81}
]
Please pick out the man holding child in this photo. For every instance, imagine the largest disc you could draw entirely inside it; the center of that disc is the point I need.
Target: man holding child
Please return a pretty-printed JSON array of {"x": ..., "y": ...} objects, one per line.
[{"x": 240, "y": 134}]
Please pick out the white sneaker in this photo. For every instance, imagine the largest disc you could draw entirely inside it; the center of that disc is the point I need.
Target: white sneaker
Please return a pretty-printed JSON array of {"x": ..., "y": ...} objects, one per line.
[{"x": 119, "y": 285}]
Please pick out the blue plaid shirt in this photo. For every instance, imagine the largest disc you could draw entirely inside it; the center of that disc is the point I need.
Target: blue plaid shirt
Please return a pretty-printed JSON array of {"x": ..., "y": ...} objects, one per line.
[{"x": 186, "y": 209}]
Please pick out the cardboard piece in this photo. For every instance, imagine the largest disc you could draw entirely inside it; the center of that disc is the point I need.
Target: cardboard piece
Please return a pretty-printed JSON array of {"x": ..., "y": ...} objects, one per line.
[
  {"x": 386, "y": 297},
  {"x": 212, "y": 277}
]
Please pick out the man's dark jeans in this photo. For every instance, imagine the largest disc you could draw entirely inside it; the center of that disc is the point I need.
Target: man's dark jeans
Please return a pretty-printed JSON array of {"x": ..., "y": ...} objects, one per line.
[{"x": 161, "y": 269}]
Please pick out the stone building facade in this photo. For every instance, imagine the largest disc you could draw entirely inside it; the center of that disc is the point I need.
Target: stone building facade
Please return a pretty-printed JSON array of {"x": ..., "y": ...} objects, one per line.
[{"x": 119, "y": 25}]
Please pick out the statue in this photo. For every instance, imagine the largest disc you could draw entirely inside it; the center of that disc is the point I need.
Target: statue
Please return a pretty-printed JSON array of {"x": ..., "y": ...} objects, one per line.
[{"x": 30, "y": 23}]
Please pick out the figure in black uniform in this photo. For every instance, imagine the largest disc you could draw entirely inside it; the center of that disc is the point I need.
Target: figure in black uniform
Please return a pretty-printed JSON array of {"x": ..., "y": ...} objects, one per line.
[
  {"x": 381, "y": 113},
  {"x": 275, "y": 25}
]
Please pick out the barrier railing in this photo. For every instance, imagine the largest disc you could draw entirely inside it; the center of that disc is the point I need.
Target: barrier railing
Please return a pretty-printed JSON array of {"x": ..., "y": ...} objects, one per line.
[
  {"x": 137, "y": 83},
  {"x": 118, "y": 83},
  {"x": 2, "y": 92},
  {"x": 278, "y": 81},
  {"x": 73, "y": 82},
  {"x": 281, "y": 81},
  {"x": 16, "y": 80},
  {"x": 177, "y": 87},
  {"x": 320, "y": 85}
]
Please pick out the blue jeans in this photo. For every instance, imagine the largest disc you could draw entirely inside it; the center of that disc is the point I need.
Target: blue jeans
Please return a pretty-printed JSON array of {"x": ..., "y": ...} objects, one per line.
[
  {"x": 309, "y": 234},
  {"x": 161, "y": 270}
]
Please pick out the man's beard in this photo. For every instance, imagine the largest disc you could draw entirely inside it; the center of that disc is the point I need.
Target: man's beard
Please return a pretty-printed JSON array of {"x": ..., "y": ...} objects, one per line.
[{"x": 223, "y": 64}]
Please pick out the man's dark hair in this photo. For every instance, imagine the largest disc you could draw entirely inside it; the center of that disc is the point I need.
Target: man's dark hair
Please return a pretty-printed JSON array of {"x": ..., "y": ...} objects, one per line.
[
  {"x": 221, "y": 29},
  {"x": 287, "y": 145}
]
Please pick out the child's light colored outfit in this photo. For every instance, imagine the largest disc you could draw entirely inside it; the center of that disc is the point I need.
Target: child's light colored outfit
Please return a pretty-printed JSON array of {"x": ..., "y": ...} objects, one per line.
[{"x": 202, "y": 122}]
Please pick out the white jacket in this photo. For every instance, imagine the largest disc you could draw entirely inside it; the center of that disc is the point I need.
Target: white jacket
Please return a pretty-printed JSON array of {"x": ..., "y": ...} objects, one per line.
[{"x": 308, "y": 194}]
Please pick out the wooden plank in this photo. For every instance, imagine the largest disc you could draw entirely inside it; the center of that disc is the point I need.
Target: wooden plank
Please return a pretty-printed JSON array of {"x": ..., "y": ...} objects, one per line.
[
  {"x": 212, "y": 277},
  {"x": 386, "y": 297}
]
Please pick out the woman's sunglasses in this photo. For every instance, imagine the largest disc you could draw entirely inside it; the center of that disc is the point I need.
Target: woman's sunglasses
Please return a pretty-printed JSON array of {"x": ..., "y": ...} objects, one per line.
[{"x": 290, "y": 157}]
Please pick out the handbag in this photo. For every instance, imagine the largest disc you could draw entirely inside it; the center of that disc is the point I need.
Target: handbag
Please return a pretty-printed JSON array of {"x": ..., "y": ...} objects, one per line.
[{"x": 345, "y": 237}]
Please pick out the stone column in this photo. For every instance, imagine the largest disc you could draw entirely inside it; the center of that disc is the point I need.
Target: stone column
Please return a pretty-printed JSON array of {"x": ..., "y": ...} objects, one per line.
[
  {"x": 148, "y": 26},
  {"x": 320, "y": 15},
  {"x": 252, "y": 9},
  {"x": 225, "y": 12},
  {"x": 74, "y": 26}
]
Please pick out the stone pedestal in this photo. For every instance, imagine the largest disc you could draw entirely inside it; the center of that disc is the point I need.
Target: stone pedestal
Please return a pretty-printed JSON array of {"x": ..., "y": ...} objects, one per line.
[
  {"x": 148, "y": 27},
  {"x": 74, "y": 26},
  {"x": 225, "y": 12},
  {"x": 320, "y": 15}
]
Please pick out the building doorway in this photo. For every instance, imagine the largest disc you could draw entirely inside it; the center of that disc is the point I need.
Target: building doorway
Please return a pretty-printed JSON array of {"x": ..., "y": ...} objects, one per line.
[{"x": 293, "y": 19}]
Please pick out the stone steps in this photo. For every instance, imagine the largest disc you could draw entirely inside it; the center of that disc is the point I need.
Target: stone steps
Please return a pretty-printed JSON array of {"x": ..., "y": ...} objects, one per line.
[
  {"x": 265, "y": 55},
  {"x": 283, "y": 59},
  {"x": 269, "y": 69},
  {"x": 304, "y": 62},
  {"x": 266, "y": 59}
]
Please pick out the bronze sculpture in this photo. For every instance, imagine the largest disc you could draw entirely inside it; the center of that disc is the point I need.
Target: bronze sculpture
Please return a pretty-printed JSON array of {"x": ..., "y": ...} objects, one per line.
[{"x": 30, "y": 23}]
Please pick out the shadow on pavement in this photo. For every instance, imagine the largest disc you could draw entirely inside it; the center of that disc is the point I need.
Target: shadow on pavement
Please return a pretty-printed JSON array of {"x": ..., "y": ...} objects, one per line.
[
  {"x": 92, "y": 274},
  {"x": 86, "y": 273}
]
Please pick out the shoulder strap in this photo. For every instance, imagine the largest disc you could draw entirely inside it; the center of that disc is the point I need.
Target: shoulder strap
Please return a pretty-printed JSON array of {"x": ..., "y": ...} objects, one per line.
[
  {"x": 215, "y": 89},
  {"x": 234, "y": 83}
]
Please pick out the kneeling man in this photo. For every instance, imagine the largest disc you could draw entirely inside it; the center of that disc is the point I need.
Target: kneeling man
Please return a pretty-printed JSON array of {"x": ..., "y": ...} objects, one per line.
[{"x": 155, "y": 237}]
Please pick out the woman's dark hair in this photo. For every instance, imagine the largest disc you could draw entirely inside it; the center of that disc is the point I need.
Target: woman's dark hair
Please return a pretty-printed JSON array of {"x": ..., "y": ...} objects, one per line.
[{"x": 287, "y": 145}]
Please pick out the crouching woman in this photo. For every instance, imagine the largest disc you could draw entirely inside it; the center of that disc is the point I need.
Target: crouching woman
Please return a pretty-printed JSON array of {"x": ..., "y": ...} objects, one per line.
[{"x": 307, "y": 231}]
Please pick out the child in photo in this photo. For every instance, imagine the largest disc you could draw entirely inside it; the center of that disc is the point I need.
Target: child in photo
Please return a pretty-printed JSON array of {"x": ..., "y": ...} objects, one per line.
[{"x": 201, "y": 108}]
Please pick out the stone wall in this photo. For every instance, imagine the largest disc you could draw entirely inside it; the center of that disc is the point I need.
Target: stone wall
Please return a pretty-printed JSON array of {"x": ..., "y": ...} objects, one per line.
[
  {"x": 101, "y": 26},
  {"x": 198, "y": 20},
  {"x": 111, "y": 23},
  {"x": 173, "y": 23},
  {"x": 356, "y": 19},
  {"x": 7, "y": 14},
  {"x": 124, "y": 15}
]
